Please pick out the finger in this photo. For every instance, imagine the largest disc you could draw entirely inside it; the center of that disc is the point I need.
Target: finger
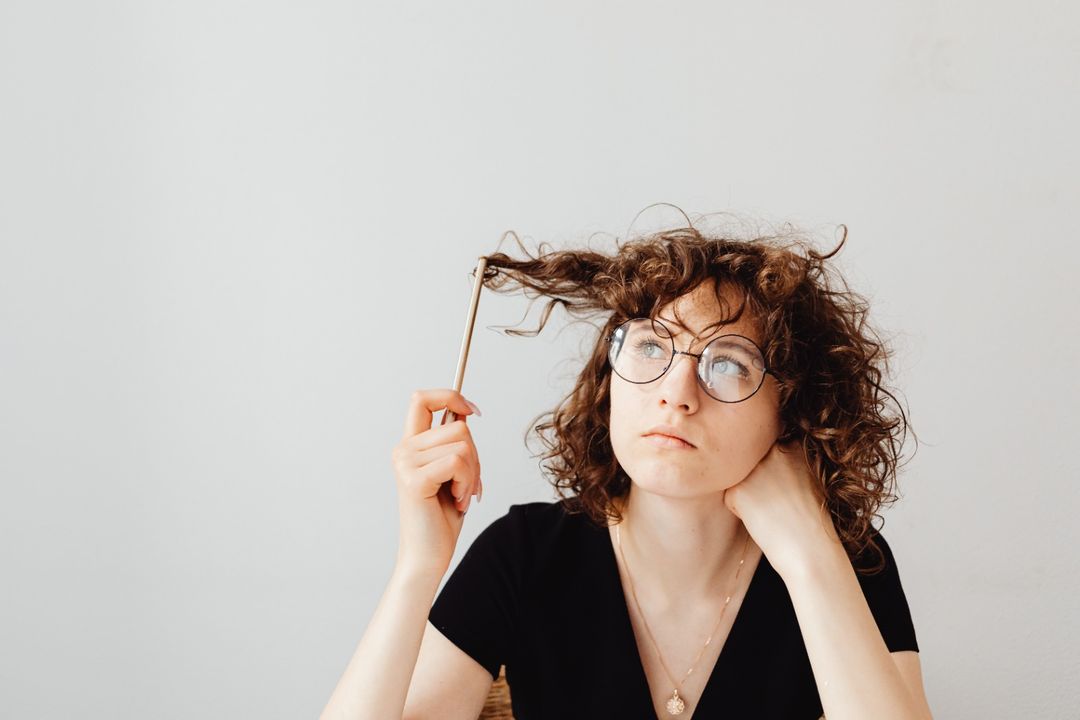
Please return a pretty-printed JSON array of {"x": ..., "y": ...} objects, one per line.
[
  {"x": 452, "y": 470},
  {"x": 439, "y": 435},
  {"x": 442, "y": 436},
  {"x": 424, "y": 402},
  {"x": 461, "y": 447},
  {"x": 475, "y": 458}
]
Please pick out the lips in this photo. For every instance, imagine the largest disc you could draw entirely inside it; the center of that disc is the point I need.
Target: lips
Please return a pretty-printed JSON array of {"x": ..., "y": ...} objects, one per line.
[
  {"x": 669, "y": 432},
  {"x": 667, "y": 441}
]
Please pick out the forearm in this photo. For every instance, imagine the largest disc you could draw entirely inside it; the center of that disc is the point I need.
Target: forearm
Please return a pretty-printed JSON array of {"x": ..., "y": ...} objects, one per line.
[
  {"x": 855, "y": 673},
  {"x": 376, "y": 682}
]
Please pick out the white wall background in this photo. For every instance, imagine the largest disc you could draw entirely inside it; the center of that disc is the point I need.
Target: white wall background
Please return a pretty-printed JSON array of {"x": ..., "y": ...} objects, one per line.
[{"x": 234, "y": 236}]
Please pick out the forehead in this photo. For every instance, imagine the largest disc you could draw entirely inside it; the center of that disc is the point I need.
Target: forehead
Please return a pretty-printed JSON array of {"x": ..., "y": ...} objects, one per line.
[{"x": 700, "y": 312}]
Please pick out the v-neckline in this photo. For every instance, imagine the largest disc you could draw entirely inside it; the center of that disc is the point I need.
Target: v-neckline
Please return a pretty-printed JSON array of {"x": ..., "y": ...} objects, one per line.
[{"x": 734, "y": 634}]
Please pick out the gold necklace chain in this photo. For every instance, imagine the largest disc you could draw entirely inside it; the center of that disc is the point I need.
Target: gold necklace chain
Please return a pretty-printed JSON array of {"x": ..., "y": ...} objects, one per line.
[{"x": 675, "y": 704}]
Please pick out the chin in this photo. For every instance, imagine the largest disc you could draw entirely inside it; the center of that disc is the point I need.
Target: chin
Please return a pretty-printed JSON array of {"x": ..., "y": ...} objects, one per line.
[{"x": 660, "y": 478}]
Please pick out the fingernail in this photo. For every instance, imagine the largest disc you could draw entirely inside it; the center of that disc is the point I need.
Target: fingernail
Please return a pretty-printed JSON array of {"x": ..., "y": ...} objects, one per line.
[
  {"x": 480, "y": 495},
  {"x": 474, "y": 408},
  {"x": 467, "y": 504}
]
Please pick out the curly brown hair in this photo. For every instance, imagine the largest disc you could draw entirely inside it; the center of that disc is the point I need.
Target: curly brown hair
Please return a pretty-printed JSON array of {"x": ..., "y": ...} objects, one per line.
[{"x": 828, "y": 362}]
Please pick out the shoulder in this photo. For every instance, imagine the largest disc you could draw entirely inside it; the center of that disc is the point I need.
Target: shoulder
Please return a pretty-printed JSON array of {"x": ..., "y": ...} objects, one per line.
[
  {"x": 540, "y": 518},
  {"x": 545, "y": 517},
  {"x": 536, "y": 534},
  {"x": 535, "y": 524},
  {"x": 878, "y": 554}
]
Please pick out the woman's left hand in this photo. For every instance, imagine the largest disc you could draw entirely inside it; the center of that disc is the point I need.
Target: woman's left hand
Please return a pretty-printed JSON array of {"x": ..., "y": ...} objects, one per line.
[{"x": 783, "y": 509}]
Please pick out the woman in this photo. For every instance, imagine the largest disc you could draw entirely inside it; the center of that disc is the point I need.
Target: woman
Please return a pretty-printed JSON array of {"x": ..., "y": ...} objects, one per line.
[{"x": 719, "y": 462}]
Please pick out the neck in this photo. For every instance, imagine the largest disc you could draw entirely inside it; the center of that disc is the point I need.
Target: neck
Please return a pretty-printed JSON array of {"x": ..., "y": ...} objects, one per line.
[{"x": 682, "y": 549}]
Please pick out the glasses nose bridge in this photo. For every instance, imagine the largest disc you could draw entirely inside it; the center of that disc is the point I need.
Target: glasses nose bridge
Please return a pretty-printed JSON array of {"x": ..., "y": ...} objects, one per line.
[{"x": 695, "y": 359}]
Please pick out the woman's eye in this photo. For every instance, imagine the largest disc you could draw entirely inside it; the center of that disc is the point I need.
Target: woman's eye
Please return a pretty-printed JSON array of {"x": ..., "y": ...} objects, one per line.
[
  {"x": 728, "y": 364},
  {"x": 646, "y": 345}
]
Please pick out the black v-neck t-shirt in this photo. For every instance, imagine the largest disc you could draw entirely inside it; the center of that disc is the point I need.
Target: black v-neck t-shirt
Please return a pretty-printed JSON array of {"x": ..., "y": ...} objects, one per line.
[{"x": 539, "y": 592}]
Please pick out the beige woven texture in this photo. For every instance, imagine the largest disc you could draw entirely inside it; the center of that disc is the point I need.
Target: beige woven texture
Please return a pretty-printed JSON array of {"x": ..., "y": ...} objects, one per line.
[{"x": 497, "y": 705}]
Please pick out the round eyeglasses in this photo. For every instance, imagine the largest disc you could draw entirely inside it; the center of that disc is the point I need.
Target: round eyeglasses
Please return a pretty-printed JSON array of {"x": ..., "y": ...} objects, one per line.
[{"x": 731, "y": 368}]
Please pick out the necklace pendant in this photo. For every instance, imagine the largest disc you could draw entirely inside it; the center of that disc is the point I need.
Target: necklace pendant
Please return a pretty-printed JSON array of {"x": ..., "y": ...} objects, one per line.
[{"x": 675, "y": 704}]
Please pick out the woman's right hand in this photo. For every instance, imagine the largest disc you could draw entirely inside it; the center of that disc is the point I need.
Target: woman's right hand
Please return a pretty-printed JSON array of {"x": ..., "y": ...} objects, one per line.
[{"x": 438, "y": 472}]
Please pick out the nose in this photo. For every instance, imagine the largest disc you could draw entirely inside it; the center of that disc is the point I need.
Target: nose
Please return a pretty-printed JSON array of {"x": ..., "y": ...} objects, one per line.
[{"x": 679, "y": 385}]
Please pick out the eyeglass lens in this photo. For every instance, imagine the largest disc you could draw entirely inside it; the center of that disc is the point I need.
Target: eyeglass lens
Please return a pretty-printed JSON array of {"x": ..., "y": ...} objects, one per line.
[{"x": 731, "y": 367}]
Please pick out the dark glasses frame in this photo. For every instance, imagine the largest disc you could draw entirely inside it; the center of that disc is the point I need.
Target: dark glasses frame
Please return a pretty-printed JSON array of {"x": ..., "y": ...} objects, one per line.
[{"x": 697, "y": 356}]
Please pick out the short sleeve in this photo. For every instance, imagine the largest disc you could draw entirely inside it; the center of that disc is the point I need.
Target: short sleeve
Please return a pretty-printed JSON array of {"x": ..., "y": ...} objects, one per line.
[
  {"x": 477, "y": 606},
  {"x": 886, "y": 599}
]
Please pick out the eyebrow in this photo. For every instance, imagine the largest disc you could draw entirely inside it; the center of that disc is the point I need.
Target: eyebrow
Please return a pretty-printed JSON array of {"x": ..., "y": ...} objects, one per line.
[
  {"x": 673, "y": 322},
  {"x": 678, "y": 324}
]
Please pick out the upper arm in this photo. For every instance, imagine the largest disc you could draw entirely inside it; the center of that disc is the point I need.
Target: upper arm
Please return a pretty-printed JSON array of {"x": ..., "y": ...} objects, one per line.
[
  {"x": 907, "y": 661},
  {"x": 887, "y": 601},
  {"x": 471, "y": 626},
  {"x": 447, "y": 682}
]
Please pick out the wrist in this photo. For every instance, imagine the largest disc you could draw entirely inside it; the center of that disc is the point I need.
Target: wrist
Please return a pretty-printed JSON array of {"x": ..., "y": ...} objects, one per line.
[
  {"x": 816, "y": 563},
  {"x": 418, "y": 574}
]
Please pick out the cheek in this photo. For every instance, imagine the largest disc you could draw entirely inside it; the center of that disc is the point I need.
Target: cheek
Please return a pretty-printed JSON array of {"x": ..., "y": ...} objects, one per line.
[
  {"x": 617, "y": 421},
  {"x": 624, "y": 421},
  {"x": 746, "y": 438}
]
